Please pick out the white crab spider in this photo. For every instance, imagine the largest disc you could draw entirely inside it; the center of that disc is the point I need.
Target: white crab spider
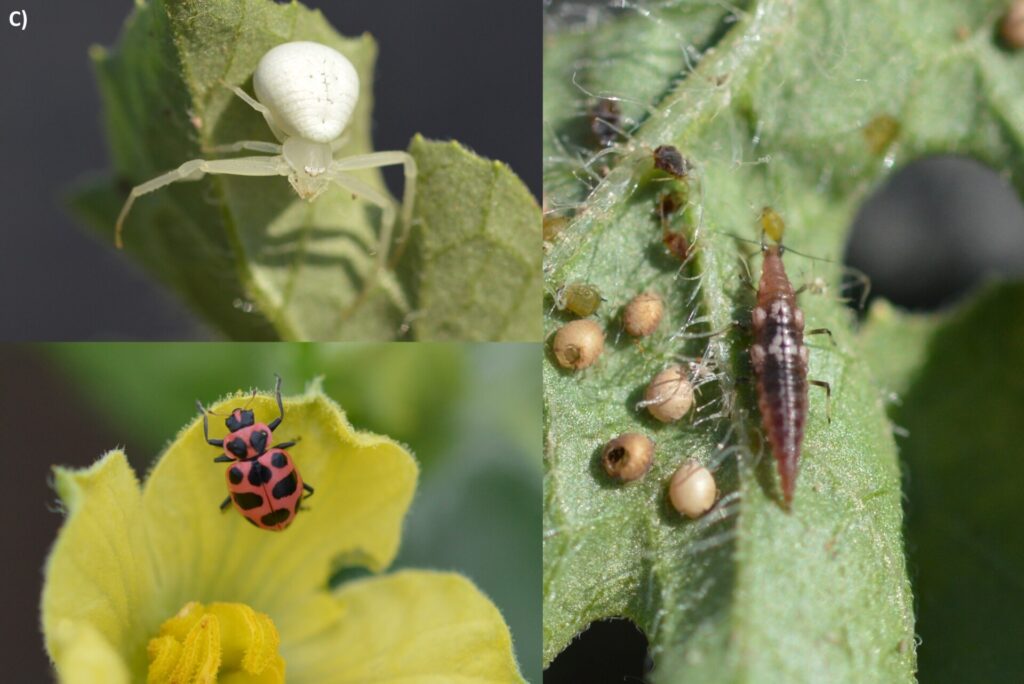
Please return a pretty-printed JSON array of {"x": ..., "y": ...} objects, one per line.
[{"x": 306, "y": 92}]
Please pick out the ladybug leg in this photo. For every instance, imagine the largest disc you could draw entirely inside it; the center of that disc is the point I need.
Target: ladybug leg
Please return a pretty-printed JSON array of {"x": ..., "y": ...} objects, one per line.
[
  {"x": 224, "y": 504},
  {"x": 223, "y": 459},
  {"x": 285, "y": 445},
  {"x": 308, "y": 489},
  {"x": 280, "y": 407},
  {"x": 206, "y": 428}
]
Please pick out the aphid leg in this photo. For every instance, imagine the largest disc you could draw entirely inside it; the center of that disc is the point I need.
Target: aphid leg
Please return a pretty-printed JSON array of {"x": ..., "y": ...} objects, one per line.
[
  {"x": 251, "y": 145},
  {"x": 372, "y": 161},
  {"x": 822, "y": 331},
  {"x": 196, "y": 169},
  {"x": 308, "y": 489},
  {"x": 828, "y": 397},
  {"x": 280, "y": 406},
  {"x": 224, "y": 504},
  {"x": 223, "y": 459},
  {"x": 206, "y": 428}
]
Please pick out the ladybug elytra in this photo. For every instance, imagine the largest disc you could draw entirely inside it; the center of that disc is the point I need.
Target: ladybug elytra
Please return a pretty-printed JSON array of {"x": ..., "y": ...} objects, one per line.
[{"x": 264, "y": 483}]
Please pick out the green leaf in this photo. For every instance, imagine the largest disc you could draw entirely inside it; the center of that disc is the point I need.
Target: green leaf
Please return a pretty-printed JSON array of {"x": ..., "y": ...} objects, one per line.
[
  {"x": 773, "y": 115},
  {"x": 959, "y": 379},
  {"x": 475, "y": 259},
  {"x": 247, "y": 253}
]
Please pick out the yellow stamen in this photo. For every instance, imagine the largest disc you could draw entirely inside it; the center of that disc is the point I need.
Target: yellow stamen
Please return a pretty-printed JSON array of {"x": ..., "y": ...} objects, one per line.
[{"x": 225, "y": 642}]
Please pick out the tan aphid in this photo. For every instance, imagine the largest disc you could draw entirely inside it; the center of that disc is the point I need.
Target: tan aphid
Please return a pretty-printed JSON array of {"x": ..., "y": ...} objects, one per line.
[
  {"x": 669, "y": 396},
  {"x": 628, "y": 457},
  {"x": 692, "y": 490},
  {"x": 578, "y": 344},
  {"x": 643, "y": 314}
]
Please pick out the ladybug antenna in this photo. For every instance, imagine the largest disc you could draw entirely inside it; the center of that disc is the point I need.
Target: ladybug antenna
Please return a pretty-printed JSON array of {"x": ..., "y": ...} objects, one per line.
[{"x": 250, "y": 399}]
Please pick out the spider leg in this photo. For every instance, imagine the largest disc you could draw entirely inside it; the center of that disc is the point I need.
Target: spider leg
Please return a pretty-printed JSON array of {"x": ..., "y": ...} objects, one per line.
[
  {"x": 196, "y": 169},
  {"x": 251, "y": 145},
  {"x": 372, "y": 161}
]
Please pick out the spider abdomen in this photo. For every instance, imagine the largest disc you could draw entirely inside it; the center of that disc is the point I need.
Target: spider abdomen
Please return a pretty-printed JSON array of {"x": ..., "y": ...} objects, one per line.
[{"x": 311, "y": 89}]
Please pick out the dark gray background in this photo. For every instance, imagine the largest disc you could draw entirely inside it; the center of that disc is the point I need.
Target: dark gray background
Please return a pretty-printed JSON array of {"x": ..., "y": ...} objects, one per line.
[{"x": 450, "y": 69}]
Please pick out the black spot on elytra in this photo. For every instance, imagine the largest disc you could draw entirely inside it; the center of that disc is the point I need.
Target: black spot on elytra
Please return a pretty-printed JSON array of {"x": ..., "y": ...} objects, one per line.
[
  {"x": 259, "y": 474},
  {"x": 279, "y": 460},
  {"x": 239, "y": 419},
  {"x": 258, "y": 439},
  {"x": 247, "y": 500},
  {"x": 285, "y": 487},
  {"x": 276, "y": 518},
  {"x": 238, "y": 447},
  {"x": 235, "y": 475}
]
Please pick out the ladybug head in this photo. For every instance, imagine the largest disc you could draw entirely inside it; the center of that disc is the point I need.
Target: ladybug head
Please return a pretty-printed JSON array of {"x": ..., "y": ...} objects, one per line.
[{"x": 239, "y": 419}]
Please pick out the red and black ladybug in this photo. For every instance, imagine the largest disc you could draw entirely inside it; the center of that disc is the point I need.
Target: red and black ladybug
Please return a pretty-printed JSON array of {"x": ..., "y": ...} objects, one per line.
[{"x": 264, "y": 482}]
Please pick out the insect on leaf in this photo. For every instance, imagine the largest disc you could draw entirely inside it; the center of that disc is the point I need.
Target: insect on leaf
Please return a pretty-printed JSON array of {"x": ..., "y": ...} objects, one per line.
[{"x": 774, "y": 116}]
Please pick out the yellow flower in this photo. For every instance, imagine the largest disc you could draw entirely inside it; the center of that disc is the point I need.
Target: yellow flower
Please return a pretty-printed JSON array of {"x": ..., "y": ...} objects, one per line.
[{"x": 155, "y": 584}]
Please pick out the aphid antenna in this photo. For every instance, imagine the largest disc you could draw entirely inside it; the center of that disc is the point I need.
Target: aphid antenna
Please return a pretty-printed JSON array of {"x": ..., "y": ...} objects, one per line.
[{"x": 614, "y": 98}]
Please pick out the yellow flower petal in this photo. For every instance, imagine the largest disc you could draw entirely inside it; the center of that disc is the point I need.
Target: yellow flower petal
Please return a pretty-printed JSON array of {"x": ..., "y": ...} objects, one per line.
[
  {"x": 364, "y": 484},
  {"x": 85, "y": 656},
  {"x": 99, "y": 571},
  {"x": 412, "y": 627}
]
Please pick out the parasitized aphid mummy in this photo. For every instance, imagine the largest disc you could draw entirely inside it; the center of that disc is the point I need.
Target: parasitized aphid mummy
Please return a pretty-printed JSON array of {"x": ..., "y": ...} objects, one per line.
[
  {"x": 307, "y": 93},
  {"x": 779, "y": 358}
]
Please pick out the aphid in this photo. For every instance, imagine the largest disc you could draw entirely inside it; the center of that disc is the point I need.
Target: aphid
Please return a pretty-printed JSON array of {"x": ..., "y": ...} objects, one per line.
[
  {"x": 581, "y": 299},
  {"x": 628, "y": 457},
  {"x": 643, "y": 314},
  {"x": 264, "y": 482},
  {"x": 307, "y": 93},
  {"x": 675, "y": 241},
  {"x": 772, "y": 224},
  {"x": 578, "y": 344},
  {"x": 881, "y": 132},
  {"x": 553, "y": 226},
  {"x": 671, "y": 161},
  {"x": 692, "y": 490},
  {"x": 779, "y": 358},
  {"x": 605, "y": 121},
  {"x": 669, "y": 396}
]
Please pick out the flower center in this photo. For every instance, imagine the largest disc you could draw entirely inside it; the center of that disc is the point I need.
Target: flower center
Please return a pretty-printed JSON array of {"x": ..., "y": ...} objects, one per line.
[{"x": 220, "y": 640}]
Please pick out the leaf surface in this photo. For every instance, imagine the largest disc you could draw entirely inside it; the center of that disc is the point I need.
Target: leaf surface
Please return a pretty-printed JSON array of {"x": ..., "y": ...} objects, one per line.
[{"x": 784, "y": 111}]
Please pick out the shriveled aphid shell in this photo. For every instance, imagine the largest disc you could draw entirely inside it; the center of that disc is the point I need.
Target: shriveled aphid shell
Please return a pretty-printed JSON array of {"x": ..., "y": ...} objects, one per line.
[
  {"x": 671, "y": 161},
  {"x": 1011, "y": 28},
  {"x": 669, "y": 396},
  {"x": 309, "y": 88},
  {"x": 628, "y": 457},
  {"x": 692, "y": 490},
  {"x": 643, "y": 314},
  {"x": 772, "y": 224},
  {"x": 581, "y": 299},
  {"x": 578, "y": 344}
]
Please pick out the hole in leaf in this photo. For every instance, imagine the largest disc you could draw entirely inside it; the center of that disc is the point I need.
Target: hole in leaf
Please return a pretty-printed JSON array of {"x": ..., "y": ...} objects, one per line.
[
  {"x": 937, "y": 228},
  {"x": 609, "y": 651}
]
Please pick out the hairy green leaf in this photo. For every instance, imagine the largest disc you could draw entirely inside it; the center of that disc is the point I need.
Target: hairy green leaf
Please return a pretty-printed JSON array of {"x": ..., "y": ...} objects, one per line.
[
  {"x": 790, "y": 105},
  {"x": 475, "y": 259},
  {"x": 959, "y": 380},
  {"x": 248, "y": 253}
]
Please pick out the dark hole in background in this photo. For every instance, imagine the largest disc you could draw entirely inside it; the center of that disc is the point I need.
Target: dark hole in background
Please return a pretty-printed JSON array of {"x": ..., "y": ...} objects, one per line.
[
  {"x": 607, "y": 652},
  {"x": 937, "y": 228}
]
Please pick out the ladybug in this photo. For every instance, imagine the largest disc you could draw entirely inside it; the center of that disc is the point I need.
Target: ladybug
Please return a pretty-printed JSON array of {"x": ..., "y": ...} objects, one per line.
[{"x": 264, "y": 482}]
